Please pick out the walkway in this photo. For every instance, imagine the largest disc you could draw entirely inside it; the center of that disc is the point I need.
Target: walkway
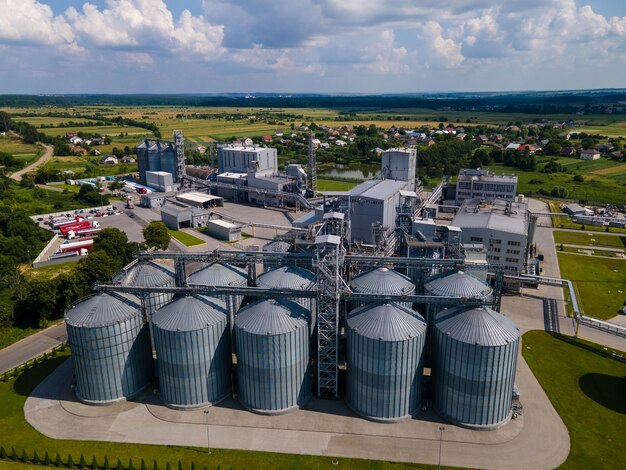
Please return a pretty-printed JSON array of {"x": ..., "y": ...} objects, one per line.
[{"x": 31, "y": 347}]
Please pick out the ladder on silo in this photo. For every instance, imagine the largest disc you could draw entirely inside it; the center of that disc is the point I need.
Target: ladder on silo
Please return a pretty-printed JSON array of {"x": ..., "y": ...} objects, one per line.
[{"x": 179, "y": 145}]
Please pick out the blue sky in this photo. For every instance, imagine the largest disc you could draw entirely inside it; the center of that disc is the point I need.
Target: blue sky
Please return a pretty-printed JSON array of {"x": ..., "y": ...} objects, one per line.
[{"x": 363, "y": 46}]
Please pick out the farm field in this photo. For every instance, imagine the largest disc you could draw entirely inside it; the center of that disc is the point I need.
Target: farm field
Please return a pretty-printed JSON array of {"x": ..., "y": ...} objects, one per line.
[
  {"x": 102, "y": 130},
  {"x": 601, "y": 282},
  {"x": 37, "y": 121},
  {"x": 586, "y": 387},
  {"x": 26, "y": 153}
]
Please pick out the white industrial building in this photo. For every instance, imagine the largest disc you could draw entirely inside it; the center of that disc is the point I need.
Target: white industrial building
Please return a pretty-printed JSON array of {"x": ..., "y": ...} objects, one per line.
[
  {"x": 200, "y": 200},
  {"x": 223, "y": 230},
  {"x": 176, "y": 215},
  {"x": 482, "y": 184},
  {"x": 160, "y": 180},
  {"x": 240, "y": 159},
  {"x": 503, "y": 227}
]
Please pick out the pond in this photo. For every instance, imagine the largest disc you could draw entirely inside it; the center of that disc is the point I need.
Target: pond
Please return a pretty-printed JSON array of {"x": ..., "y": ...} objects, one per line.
[{"x": 351, "y": 170}]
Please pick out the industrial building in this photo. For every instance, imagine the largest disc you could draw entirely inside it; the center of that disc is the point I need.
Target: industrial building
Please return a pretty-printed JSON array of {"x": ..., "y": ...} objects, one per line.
[
  {"x": 504, "y": 227},
  {"x": 240, "y": 159},
  {"x": 160, "y": 180},
  {"x": 157, "y": 156},
  {"x": 480, "y": 184},
  {"x": 177, "y": 215}
]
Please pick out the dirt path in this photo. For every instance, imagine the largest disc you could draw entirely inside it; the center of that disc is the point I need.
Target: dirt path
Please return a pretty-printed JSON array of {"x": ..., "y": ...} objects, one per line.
[{"x": 17, "y": 176}]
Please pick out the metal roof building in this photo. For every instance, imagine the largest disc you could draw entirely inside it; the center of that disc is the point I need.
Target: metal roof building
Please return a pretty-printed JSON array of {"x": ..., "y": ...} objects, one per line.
[
  {"x": 385, "y": 361},
  {"x": 474, "y": 369},
  {"x": 273, "y": 356},
  {"x": 383, "y": 281},
  {"x": 110, "y": 346},
  {"x": 192, "y": 342}
]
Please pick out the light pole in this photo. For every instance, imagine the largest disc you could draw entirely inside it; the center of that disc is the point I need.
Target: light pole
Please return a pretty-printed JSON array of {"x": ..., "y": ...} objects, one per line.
[
  {"x": 441, "y": 429},
  {"x": 208, "y": 434}
]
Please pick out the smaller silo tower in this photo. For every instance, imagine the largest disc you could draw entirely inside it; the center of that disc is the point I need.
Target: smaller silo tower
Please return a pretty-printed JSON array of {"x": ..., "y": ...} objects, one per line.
[
  {"x": 291, "y": 277},
  {"x": 385, "y": 361},
  {"x": 110, "y": 347},
  {"x": 221, "y": 274},
  {"x": 273, "y": 356},
  {"x": 474, "y": 370},
  {"x": 150, "y": 274},
  {"x": 383, "y": 281},
  {"x": 276, "y": 246},
  {"x": 192, "y": 342}
]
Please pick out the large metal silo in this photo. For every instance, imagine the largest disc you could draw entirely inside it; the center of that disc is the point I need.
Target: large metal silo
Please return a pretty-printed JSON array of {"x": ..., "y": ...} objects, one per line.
[
  {"x": 273, "y": 356},
  {"x": 474, "y": 369},
  {"x": 290, "y": 277},
  {"x": 110, "y": 347},
  {"x": 154, "y": 157},
  {"x": 275, "y": 246},
  {"x": 142, "y": 159},
  {"x": 167, "y": 159},
  {"x": 453, "y": 284},
  {"x": 221, "y": 274},
  {"x": 385, "y": 361},
  {"x": 192, "y": 342},
  {"x": 383, "y": 281},
  {"x": 150, "y": 274}
]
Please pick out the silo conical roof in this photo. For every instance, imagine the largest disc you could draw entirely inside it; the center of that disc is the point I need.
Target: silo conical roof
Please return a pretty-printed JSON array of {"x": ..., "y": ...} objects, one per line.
[
  {"x": 271, "y": 317},
  {"x": 382, "y": 281},
  {"x": 190, "y": 313},
  {"x": 218, "y": 274},
  {"x": 100, "y": 310},
  {"x": 477, "y": 325},
  {"x": 287, "y": 277},
  {"x": 457, "y": 284},
  {"x": 148, "y": 274},
  {"x": 386, "y": 322},
  {"x": 278, "y": 246}
]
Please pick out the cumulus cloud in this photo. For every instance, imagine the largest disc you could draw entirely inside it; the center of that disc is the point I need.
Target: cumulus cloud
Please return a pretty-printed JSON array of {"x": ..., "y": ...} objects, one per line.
[
  {"x": 146, "y": 25},
  {"x": 443, "y": 50},
  {"x": 33, "y": 23}
]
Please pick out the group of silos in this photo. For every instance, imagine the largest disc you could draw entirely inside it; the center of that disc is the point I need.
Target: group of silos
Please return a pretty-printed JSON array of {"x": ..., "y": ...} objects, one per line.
[
  {"x": 473, "y": 349},
  {"x": 191, "y": 341}
]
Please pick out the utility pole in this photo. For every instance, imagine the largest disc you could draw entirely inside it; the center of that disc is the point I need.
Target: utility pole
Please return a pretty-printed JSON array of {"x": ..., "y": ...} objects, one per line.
[{"x": 208, "y": 434}]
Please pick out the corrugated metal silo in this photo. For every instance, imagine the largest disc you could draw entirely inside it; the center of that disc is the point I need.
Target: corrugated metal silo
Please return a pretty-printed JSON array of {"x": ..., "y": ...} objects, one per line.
[
  {"x": 278, "y": 246},
  {"x": 383, "y": 281},
  {"x": 154, "y": 157},
  {"x": 290, "y": 277},
  {"x": 110, "y": 346},
  {"x": 221, "y": 274},
  {"x": 167, "y": 158},
  {"x": 142, "y": 159},
  {"x": 474, "y": 370},
  {"x": 385, "y": 361},
  {"x": 192, "y": 342},
  {"x": 273, "y": 356},
  {"x": 454, "y": 284},
  {"x": 150, "y": 274}
]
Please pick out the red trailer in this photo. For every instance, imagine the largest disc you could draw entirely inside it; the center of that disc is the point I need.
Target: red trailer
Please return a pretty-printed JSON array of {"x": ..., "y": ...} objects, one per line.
[
  {"x": 87, "y": 244},
  {"x": 83, "y": 224}
]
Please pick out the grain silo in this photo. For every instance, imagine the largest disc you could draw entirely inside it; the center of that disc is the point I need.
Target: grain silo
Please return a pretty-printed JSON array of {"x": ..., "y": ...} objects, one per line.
[
  {"x": 167, "y": 159},
  {"x": 192, "y": 342},
  {"x": 385, "y": 361},
  {"x": 275, "y": 246},
  {"x": 273, "y": 356},
  {"x": 383, "y": 281},
  {"x": 291, "y": 277},
  {"x": 221, "y": 274},
  {"x": 154, "y": 156},
  {"x": 474, "y": 369},
  {"x": 451, "y": 285},
  {"x": 142, "y": 159},
  {"x": 150, "y": 274},
  {"x": 110, "y": 347}
]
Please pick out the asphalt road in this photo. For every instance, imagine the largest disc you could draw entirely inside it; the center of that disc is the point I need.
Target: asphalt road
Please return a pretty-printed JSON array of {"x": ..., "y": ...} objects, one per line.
[
  {"x": 17, "y": 176},
  {"x": 31, "y": 347}
]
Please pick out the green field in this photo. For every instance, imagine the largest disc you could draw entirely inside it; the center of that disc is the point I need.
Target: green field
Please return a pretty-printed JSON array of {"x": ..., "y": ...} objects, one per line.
[
  {"x": 601, "y": 283},
  {"x": 596, "y": 239},
  {"x": 14, "y": 392},
  {"x": 102, "y": 130},
  {"x": 334, "y": 185},
  {"x": 26, "y": 153},
  {"x": 37, "y": 121},
  {"x": 588, "y": 390},
  {"x": 186, "y": 238}
]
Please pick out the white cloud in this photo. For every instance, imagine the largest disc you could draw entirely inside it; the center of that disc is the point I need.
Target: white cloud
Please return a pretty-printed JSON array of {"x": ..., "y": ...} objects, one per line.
[
  {"x": 444, "y": 50},
  {"x": 33, "y": 23},
  {"x": 146, "y": 25}
]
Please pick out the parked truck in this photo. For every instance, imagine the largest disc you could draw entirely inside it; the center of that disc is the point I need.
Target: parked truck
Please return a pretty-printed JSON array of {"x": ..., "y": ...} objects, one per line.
[
  {"x": 85, "y": 244},
  {"x": 77, "y": 226}
]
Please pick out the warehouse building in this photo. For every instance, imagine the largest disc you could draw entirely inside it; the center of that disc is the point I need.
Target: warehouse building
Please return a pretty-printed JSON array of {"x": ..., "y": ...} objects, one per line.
[
  {"x": 177, "y": 215},
  {"x": 503, "y": 227},
  {"x": 160, "y": 180},
  {"x": 480, "y": 184},
  {"x": 239, "y": 159}
]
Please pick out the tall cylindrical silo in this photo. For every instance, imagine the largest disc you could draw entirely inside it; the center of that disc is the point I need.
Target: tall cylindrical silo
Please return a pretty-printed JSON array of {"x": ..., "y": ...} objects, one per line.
[
  {"x": 474, "y": 369},
  {"x": 142, "y": 159},
  {"x": 275, "y": 246},
  {"x": 291, "y": 277},
  {"x": 382, "y": 281},
  {"x": 192, "y": 342},
  {"x": 150, "y": 274},
  {"x": 450, "y": 285},
  {"x": 385, "y": 361},
  {"x": 273, "y": 356},
  {"x": 154, "y": 157},
  {"x": 110, "y": 347},
  {"x": 221, "y": 274},
  {"x": 167, "y": 159}
]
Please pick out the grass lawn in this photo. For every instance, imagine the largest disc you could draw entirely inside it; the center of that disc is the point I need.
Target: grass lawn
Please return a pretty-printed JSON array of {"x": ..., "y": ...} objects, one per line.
[
  {"x": 332, "y": 185},
  {"x": 601, "y": 283},
  {"x": 566, "y": 222},
  {"x": 596, "y": 239},
  {"x": 588, "y": 390},
  {"x": 186, "y": 238},
  {"x": 595, "y": 252},
  {"x": 12, "y": 334},
  {"x": 14, "y": 392},
  {"x": 49, "y": 272}
]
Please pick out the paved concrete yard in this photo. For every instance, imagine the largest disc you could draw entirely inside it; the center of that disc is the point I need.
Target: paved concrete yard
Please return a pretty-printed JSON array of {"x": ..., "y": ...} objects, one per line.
[{"x": 536, "y": 440}]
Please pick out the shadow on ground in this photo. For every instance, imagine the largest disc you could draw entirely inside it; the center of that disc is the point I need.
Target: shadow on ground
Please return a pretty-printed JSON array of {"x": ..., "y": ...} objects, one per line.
[{"x": 606, "y": 390}]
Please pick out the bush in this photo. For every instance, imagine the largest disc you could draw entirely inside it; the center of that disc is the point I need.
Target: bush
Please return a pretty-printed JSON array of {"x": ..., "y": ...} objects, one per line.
[
  {"x": 579, "y": 179},
  {"x": 535, "y": 181}
]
